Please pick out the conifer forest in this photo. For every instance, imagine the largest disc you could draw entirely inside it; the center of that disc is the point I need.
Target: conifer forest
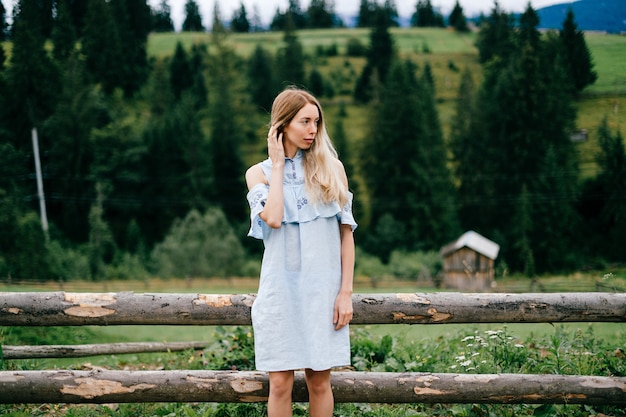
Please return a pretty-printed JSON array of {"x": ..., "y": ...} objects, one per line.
[{"x": 119, "y": 163}]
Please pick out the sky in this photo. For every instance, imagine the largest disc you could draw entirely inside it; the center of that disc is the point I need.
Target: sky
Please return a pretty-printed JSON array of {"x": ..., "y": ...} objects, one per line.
[{"x": 267, "y": 8}]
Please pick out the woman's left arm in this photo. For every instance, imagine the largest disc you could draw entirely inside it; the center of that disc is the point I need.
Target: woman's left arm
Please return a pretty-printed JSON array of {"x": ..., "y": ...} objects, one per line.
[{"x": 343, "y": 303}]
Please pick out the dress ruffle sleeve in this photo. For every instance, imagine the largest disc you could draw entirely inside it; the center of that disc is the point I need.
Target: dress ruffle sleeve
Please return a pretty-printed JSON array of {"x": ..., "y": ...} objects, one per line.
[
  {"x": 346, "y": 216},
  {"x": 257, "y": 197}
]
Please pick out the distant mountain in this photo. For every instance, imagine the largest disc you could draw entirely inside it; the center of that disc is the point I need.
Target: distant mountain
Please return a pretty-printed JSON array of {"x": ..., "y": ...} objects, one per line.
[{"x": 602, "y": 15}]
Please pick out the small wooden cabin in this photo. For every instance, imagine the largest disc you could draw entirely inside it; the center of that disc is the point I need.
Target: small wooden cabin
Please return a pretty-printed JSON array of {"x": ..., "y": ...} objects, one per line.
[{"x": 468, "y": 262}]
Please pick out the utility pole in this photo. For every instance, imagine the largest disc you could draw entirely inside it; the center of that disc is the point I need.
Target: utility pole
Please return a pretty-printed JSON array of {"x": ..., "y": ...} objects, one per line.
[{"x": 40, "y": 194}]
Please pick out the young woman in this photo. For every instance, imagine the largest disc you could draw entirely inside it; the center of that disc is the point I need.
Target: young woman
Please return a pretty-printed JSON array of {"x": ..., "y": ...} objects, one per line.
[{"x": 301, "y": 208}]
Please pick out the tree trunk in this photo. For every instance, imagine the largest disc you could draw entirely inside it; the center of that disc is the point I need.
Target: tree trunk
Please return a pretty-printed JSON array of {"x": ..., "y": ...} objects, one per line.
[
  {"x": 127, "y": 308},
  {"x": 103, "y": 386}
]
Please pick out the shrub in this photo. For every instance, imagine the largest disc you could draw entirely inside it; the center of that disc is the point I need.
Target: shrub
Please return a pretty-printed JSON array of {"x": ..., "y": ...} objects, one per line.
[
  {"x": 419, "y": 266},
  {"x": 355, "y": 48},
  {"x": 199, "y": 245},
  {"x": 68, "y": 264}
]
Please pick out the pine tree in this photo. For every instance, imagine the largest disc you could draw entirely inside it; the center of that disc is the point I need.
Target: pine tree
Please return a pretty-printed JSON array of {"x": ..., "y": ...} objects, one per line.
[
  {"x": 181, "y": 76},
  {"x": 495, "y": 36},
  {"x": 78, "y": 13},
  {"x": 425, "y": 15},
  {"x": 603, "y": 203},
  {"x": 410, "y": 187},
  {"x": 578, "y": 59},
  {"x": 468, "y": 147},
  {"x": 427, "y": 76},
  {"x": 297, "y": 16},
  {"x": 522, "y": 228},
  {"x": 32, "y": 80},
  {"x": 261, "y": 78},
  {"x": 3, "y": 23},
  {"x": 199, "y": 88},
  {"x": 439, "y": 222},
  {"x": 179, "y": 169},
  {"x": 3, "y": 86},
  {"x": 102, "y": 47},
  {"x": 239, "y": 23},
  {"x": 391, "y": 12},
  {"x": 227, "y": 135},
  {"x": 556, "y": 225},
  {"x": 80, "y": 110},
  {"x": 133, "y": 24},
  {"x": 316, "y": 83},
  {"x": 320, "y": 14},
  {"x": 290, "y": 58},
  {"x": 218, "y": 30},
  {"x": 291, "y": 20},
  {"x": 160, "y": 89},
  {"x": 380, "y": 54},
  {"x": 161, "y": 18},
  {"x": 367, "y": 12},
  {"x": 347, "y": 154},
  {"x": 39, "y": 14},
  {"x": 63, "y": 32},
  {"x": 457, "y": 18},
  {"x": 528, "y": 33},
  {"x": 340, "y": 141},
  {"x": 526, "y": 116},
  {"x": 193, "y": 19}
]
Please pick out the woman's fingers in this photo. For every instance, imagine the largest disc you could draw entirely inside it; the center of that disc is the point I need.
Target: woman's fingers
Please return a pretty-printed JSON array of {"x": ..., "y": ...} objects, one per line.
[{"x": 342, "y": 317}]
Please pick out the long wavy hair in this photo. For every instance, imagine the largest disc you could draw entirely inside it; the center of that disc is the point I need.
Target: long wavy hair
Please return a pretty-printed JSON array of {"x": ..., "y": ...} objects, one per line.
[{"x": 323, "y": 176}]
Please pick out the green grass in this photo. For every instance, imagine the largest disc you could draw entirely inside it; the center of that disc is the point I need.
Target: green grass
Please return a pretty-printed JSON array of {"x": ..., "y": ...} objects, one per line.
[{"x": 609, "y": 56}]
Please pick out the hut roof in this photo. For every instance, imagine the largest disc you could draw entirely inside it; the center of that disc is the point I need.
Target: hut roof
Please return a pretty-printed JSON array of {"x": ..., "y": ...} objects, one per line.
[{"x": 475, "y": 242}]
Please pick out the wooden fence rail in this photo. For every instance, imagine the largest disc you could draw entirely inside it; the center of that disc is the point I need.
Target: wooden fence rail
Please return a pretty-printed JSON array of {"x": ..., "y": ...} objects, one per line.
[
  {"x": 126, "y": 308},
  {"x": 104, "y": 386},
  {"x": 95, "y": 349}
]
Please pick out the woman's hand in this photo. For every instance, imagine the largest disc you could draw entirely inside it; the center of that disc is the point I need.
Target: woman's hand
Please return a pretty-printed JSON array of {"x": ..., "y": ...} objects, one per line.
[
  {"x": 343, "y": 310},
  {"x": 275, "y": 148}
]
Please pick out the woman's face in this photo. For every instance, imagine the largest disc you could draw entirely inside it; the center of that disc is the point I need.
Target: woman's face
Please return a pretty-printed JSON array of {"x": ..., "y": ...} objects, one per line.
[{"x": 300, "y": 132}]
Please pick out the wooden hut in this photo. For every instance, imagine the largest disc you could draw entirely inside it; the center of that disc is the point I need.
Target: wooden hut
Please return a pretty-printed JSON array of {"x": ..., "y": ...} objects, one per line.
[{"x": 468, "y": 262}]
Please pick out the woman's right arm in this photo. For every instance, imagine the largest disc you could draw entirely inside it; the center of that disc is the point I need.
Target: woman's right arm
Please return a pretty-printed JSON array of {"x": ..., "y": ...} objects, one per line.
[{"x": 272, "y": 213}]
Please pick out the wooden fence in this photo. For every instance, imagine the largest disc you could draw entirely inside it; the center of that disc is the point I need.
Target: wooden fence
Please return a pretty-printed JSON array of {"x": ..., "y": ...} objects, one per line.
[{"x": 126, "y": 308}]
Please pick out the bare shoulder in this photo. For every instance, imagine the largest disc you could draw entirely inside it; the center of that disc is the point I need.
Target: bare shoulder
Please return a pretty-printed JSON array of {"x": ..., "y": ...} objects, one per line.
[{"x": 254, "y": 176}]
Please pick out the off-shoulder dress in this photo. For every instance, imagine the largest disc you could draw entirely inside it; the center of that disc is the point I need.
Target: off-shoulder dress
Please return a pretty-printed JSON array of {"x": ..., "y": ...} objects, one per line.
[{"x": 292, "y": 316}]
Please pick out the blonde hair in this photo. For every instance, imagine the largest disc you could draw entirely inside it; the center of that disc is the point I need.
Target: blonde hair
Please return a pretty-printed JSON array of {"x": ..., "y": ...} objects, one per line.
[{"x": 322, "y": 169}]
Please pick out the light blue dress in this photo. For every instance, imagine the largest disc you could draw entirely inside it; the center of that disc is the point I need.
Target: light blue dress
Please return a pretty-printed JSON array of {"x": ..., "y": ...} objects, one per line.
[{"x": 292, "y": 316}]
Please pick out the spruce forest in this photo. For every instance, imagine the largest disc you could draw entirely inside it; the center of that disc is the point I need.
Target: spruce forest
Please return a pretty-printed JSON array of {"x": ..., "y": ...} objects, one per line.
[{"x": 117, "y": 163}]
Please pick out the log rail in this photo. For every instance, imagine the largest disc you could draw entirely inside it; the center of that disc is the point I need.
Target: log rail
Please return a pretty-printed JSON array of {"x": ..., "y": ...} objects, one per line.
[
  {"x": 106, "y": 386},
  {"x": 126, "y": 308}
]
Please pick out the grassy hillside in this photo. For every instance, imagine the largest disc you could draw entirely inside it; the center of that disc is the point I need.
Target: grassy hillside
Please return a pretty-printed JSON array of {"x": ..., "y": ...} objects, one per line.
[{"x": 448, "y": 53}]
